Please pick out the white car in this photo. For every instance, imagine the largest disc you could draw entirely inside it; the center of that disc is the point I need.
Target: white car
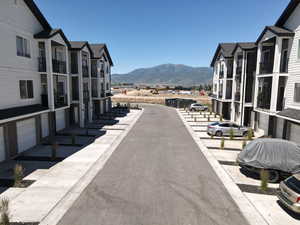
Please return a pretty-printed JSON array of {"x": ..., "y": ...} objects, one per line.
[{"x": 198, "y": 107}]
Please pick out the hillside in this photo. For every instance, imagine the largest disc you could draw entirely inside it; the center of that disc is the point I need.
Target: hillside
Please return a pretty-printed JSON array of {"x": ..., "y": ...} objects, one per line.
[{"x": 169, "y": 74}]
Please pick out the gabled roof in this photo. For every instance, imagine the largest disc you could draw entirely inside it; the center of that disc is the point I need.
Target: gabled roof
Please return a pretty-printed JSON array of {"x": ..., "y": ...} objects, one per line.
[
  {"x": 45, "y": 34},
  {"x": 278, "y": 31},
  {"x": 287, "y": 13},
  {"x": 79, "y": 45},
  {"x": 38, "y": 14},
  {"x": 227, "y": 50},
  {"x": 97, "y": 52},
  {"x": 245, "y": 46}
]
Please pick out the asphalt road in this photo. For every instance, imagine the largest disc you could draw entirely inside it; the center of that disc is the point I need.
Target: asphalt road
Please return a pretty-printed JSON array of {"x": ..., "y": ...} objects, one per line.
[{"x": 157, "y": 176}]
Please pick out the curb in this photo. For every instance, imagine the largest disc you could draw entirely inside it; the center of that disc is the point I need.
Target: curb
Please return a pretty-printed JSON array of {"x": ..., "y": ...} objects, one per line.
[
  {"x": 56, "y": 214},
  {"x": 251, "y": 214}
]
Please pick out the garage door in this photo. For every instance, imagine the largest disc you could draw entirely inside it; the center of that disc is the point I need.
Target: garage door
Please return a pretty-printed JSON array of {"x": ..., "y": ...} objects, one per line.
[
  {"x": 2, "y": 145},
  {"x": 264, "y": 123},
  {"x": 26, "y": 133},
  {"x": 45, "y": 125},
  {"x": 295, "y": 133},
  {"x": 60, "y": 120}
]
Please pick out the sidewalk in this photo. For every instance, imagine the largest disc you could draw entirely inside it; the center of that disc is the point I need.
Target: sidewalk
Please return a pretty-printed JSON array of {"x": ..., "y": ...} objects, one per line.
[{"x": 34, "y": 203}]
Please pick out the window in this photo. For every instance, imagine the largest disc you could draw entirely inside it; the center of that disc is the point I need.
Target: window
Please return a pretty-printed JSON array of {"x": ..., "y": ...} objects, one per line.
[
  {"x": 26, "y": 89},
  {"x": 297, "y": 93},
  {"x": 23, "y": 47}
]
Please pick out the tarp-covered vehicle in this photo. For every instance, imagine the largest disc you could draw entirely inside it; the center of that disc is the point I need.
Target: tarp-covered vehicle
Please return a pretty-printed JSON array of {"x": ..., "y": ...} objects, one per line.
[{"x": 280, "y": 157}]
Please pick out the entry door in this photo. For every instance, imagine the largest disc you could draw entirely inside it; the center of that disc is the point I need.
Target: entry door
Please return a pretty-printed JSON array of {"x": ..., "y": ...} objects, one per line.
[{"x": 26, "y": 133}]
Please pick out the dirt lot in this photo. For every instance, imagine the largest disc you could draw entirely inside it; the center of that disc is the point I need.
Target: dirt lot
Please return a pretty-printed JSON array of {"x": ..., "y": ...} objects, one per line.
[{"x": 145, "y": 96}]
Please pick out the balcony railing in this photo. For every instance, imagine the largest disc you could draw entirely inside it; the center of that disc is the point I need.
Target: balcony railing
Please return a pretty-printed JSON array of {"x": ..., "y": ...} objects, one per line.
[
  {"x": 284, "y": 66},
  {"x": 266, "y": 68},
  {"x": 263, "y": 101},
  {"x": 94, "y": 93},
  {"x": 237, "y": 96},
  {"x": 221, "y": 74},
  {"x": 238, "y": 71},
  {"x": 42, "y": 64},
  {"x": 102, "y": 73},
  {"x": 60, "y": 100},
  {"x": 85, "y": 71},
  {"x": 59, "y": 66}
]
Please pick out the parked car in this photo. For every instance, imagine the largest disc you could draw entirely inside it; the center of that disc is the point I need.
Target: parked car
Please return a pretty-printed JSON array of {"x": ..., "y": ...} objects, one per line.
[
  {"x": 289, "y": 193},
  {"x": 281, "y": 158},
  {"x": 224, "y": 129},
  {"x": 198, "y": 107}
]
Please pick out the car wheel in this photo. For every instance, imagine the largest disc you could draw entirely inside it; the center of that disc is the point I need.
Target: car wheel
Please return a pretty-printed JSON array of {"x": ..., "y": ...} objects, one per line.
[
  {"x": 274, "y": 176},
  {"x": 219, "y": 133}
]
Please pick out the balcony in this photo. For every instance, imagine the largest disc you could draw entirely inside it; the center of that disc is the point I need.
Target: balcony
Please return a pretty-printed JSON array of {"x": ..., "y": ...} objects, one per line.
[
  {"x": 42, "y": 64},
  {"x": 102, "y": 73},
  {"x": 221, "y": 75},
  {"x": 94, "y": 93},
  {"x": 74, "y": 69},
  {"x": 103, "y": 95},
  {"x": 85, "y": 71},
  {"x": 44, "y": 98},
  {"x": 284, "y": 65},
  {"x": 60, "y": 100},
  {"x": 266, "y": 68},
  {"x": 238, "y": 71},
  {"x": 264, "y": 93},
  {"x": 229, "y": 90},
  {"x": 237, "y": 96},
  {"x": 86, "y": 95},
  {"x": 59, "y": 66}
]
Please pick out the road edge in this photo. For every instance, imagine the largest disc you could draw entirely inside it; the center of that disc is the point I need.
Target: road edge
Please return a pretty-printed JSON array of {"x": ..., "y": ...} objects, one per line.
[
  {"x": 57, "y": 213},
  {"x": 252, "y": 215}
]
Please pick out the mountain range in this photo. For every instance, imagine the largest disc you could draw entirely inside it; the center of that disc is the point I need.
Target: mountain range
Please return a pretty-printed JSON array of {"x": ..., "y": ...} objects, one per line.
[{"x": 167, "y": 74}]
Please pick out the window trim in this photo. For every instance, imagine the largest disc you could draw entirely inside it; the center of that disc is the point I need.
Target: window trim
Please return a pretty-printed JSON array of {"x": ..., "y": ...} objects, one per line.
[
  {"x": 28, "y": 45},
  {"x": 27, "y": 92},
  {"x": 294, "y": 99}
]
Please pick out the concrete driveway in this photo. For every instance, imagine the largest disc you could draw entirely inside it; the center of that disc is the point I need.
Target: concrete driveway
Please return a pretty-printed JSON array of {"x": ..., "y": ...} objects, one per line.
[{"x": 157, "y": 176}]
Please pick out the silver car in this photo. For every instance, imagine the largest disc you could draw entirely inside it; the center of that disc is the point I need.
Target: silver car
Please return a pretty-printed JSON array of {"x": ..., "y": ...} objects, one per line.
[
  {"x": 224, "y": 129},
  {"x": 198, "y": 107},
  {"x": 289, "y": 193}
]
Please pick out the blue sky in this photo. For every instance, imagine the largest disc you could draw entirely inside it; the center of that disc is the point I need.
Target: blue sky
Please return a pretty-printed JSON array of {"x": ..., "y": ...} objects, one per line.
[{"x": 145, "y": 33}]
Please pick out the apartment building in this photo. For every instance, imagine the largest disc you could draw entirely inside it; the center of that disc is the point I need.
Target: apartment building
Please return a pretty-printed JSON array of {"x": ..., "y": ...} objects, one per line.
[
  {"x": 223, "y": 79},
  {"x": 245, "y": 57},
  {"x": 39, "y": 85},
  {"x": 277, "y": 89},
  {"x": 80, "y": 56},
  {"x": 101, "y": 79}
]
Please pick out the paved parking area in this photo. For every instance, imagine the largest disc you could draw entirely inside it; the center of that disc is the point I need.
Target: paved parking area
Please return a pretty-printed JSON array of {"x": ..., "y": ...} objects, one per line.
[
  {"x": 53, "y": 180},
  {"x": 267, "y": 204}
]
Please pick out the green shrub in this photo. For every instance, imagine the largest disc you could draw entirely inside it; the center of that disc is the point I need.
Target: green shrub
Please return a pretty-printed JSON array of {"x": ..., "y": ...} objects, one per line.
[
  {"x": 264, "y": 178},
  {"x": 222, "y": 143},
  {"x": 221, "y": 118},
  {"x": 4, "y": 212},
  {"x": 18, "y": 176},
  {"x": 231, "y": 134},
  {"x": 244, "y": 144},
  {"x": 250, "y": 134}
]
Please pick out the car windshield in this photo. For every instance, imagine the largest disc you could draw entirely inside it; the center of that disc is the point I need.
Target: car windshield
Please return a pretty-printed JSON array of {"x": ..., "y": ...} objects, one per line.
[{"x": 293, "y": 184}]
